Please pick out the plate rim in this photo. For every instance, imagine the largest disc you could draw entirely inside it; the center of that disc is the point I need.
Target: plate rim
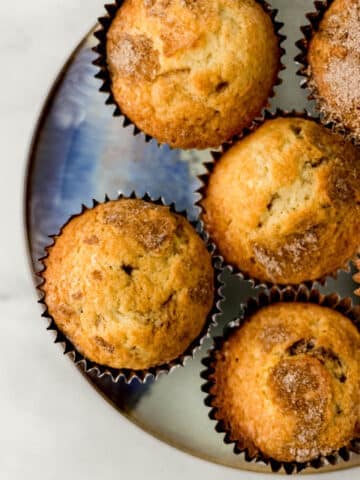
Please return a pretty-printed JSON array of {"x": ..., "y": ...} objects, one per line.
[{"x": 25, "y": 216}]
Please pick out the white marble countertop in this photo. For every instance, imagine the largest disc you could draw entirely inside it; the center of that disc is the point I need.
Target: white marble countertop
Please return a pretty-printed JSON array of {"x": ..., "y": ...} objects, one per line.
[{"x": 52, "y": 424}]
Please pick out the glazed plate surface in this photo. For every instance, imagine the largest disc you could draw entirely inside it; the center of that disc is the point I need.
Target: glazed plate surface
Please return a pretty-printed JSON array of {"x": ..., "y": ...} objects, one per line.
[{"x": 81, "y": 152}]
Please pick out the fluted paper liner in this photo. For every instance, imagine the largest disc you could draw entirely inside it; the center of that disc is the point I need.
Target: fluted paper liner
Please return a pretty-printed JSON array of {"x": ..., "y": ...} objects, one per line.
[
  {"x": 308, "y": 31},
  {"x": 356, "y": 277},
  {"x": 104, "y": 75},
  {"x": 129, "y": 374},
  {"x": 276, "y": 294},
  {"x": 204, "y": 179}
]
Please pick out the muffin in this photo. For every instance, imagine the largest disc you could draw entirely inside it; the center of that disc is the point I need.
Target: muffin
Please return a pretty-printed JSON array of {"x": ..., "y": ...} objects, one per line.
[
  {"x": 191, "y": 73},
  {"x": 283, "y": 204},
  {"x": 130, "y": 284},
  {"x": 334, "y": 64},
  {"x": 285, "y": 385}
]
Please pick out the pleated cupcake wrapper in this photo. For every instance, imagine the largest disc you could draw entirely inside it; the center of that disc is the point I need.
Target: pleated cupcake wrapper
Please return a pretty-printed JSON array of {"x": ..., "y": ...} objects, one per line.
[
  {"x": 143, "y": 375},
  {"x": 103, "y": 73},
  {"x": 274, "y": 295},
  {"x": 304, "y": 71},
  {"x": 356, "y": 277},
  {"x": 204, "y": 179}
]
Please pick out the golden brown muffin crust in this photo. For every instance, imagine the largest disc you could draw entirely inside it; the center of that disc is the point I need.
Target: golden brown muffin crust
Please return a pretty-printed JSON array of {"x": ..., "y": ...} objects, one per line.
[
  {"x": 129, "y": 283},
  {"x": 288, "y": 382},
  {"x": 192, "y": 73},
  {"x": 283, "y": 204},
  {"x": 334, "y": 63}
]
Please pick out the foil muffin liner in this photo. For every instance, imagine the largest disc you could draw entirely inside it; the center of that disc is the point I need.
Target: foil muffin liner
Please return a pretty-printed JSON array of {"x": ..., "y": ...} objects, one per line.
[
  {"x": 277, "y": 294},
  {"x": 103, "y": 73},
  {"x": 329, "y": 120},
  {"x": 127, "y": 375},
  {"x": 204, "y": 179}
]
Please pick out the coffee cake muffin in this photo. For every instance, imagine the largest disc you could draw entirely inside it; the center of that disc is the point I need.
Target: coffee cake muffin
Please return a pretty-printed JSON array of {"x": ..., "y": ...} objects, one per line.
[
  {"x": 192, "y": 73},
  {"x": 283, "y": 204},
  {"x": 129, "y": 283},
  {"x": 334, "y": 64},
  {"x": 286, "y": 383}
]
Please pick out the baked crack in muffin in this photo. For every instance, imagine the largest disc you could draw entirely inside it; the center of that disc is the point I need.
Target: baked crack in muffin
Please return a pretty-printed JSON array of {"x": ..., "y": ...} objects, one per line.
[
  {"x": 334, "y": 64},
  {"x": 287, "y": 382},
  {"x": 129, "y": 283},
  {"x": 283, "y": 204},
  {"x": 192, "y": 73}
]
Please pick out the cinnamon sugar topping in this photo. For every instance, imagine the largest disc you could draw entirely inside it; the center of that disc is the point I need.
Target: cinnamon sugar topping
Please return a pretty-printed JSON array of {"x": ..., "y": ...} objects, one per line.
[
  {"x": 343, "y": 74},
  {"x": 293, "y": 382},
  {"x": 343, "y": 70},
  {"x": 337, "y": 54},
  {"x": 346, "y": 28},
  {"x": 151, "y": 235},
  {"x": 134, "y": 56},
  {"x": 298, "y": 390},
  {"x": 273, "y": 335},
  {"x": 296, "y": 247}
]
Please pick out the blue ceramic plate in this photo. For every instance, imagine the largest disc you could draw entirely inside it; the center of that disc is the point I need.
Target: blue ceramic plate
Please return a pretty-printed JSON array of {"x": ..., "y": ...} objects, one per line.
[{"x": 81, "y": 152}]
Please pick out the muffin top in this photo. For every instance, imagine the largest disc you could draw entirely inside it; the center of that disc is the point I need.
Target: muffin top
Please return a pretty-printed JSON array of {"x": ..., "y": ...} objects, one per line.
[
  {"x": 334, "y": 63},
  {"x": 192, "y": 73},
  {"x": 287, "y": 382},
  {"x": 129, "y": 283},
  {"x": 283, "y": 204}
]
